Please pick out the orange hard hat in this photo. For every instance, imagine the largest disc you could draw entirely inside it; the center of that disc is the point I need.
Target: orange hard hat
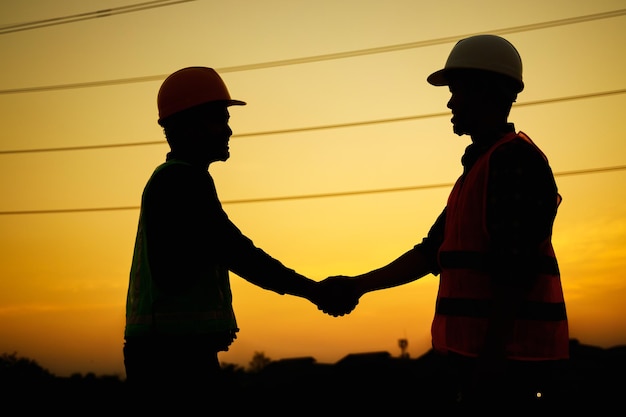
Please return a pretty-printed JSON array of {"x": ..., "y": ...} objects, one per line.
[{"x": 189, "y": 87}]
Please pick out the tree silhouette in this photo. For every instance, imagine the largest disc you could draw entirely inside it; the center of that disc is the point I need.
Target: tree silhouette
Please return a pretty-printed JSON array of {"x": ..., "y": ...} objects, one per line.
[
  {"x": 258, "y": 362},
  {"x": 16, "y": 370}
]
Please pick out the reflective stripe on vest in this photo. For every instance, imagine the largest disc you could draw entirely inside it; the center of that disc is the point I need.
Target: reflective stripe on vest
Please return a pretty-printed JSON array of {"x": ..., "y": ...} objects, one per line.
[
  {"x": 150, "y": 310},
  {"x": 465, "y": 297}
]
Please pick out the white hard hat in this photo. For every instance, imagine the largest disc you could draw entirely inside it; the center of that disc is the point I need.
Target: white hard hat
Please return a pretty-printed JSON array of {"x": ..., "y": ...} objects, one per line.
[{"x": 482, "y": 52}]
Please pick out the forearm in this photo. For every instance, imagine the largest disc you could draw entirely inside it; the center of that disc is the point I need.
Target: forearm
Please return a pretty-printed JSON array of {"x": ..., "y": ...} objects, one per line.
[
  {"x": 298, "y": 285},
  {"x": 409, "y": 267},
  {"x": 264, "y": 271}
]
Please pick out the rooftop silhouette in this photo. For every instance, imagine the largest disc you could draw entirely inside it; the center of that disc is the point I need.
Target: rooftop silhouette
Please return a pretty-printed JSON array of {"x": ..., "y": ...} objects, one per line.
[{"x": 359, "y": 382}]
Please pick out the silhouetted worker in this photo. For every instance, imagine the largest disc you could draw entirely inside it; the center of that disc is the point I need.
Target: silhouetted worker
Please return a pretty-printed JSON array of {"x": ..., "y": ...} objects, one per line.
[
  {"x": 500, "y": 315},
  {"x": 179, "y": 311}
]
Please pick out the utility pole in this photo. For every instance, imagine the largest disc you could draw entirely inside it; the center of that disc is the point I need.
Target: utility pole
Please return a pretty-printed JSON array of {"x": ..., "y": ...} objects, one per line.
[{"x": 403, "y": 343}]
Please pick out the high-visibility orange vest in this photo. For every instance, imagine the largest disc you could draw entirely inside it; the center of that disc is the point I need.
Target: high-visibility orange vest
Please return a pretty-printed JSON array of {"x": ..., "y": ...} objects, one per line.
[
  {"x": 464, "y": 298},
  {"x": 204, "y": 308}
]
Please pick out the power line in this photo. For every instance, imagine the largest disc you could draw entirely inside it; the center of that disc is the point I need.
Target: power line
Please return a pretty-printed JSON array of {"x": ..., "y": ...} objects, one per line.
[
  {"x": 327, "y": 57},
  {"x": 314, "y": 128},
  {"x": 306, "y": 196},
  {"x": 36, "y": 24}
]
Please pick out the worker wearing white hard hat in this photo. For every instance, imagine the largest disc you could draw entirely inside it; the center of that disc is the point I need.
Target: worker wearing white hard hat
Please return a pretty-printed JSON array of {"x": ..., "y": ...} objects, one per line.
[{"x": 500, "y": 319}]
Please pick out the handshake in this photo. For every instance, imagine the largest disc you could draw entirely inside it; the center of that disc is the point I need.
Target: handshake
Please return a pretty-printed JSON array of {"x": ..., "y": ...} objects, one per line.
[{"x": 336, "y": 295}]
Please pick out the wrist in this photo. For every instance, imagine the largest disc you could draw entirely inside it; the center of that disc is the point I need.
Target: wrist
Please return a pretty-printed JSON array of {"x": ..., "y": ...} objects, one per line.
[{"x": 300, "y": 286}]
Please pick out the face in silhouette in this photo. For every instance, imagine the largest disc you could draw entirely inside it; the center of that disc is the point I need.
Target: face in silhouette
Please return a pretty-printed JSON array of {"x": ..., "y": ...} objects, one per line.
[
  {"x": 201, "y": 134},
  {"x": 211, "y": 134},
  {"x": 476, "y": 106}
]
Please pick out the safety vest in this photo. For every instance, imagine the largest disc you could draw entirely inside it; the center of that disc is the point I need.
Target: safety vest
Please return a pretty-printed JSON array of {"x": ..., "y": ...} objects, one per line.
[
  {"x": 206, "y": 307},
  {"x": 464, "y": 298}
]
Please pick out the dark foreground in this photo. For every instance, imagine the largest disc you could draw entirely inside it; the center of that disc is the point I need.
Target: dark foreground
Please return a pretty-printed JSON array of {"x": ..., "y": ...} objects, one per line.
[{"x": 368, "y": 383}]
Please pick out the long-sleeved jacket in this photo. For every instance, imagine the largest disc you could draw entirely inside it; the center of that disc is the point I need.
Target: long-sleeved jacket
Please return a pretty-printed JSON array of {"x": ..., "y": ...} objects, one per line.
[{"x": 185, "y": 247}]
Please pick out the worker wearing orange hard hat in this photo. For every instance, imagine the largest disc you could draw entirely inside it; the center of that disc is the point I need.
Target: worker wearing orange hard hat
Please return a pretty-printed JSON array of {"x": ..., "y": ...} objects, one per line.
[
  {"x": 500, "y": 317},
  {"x": 179, "y": 310},
  {"x": 190, "y": 87}
]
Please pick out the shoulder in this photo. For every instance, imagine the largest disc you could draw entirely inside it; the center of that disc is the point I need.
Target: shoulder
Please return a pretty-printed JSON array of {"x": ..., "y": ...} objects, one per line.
[
  {"x": 179, "y": 176},
  {"x": 179, "y": 184},
  {"x": 520, "y": 165},
  {"x": 174, "y": 169},
  {"x": 517, "y": 152}
]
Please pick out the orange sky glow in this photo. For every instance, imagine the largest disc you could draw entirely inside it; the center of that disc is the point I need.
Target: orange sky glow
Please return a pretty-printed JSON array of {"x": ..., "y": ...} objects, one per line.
[{"x": 337, "y": 103}]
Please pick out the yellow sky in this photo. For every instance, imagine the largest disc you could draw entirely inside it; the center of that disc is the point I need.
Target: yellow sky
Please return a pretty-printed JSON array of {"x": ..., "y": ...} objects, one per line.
[{"x": 63, "y": 276}]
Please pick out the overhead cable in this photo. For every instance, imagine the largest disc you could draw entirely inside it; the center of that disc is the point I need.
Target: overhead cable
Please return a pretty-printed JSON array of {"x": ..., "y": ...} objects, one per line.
[
  {"x": 36, "y": 24},
  {"x": 303, "y": 197},
  {"x": 327, "y": 57},
  {"x": 314, "y": 128}
]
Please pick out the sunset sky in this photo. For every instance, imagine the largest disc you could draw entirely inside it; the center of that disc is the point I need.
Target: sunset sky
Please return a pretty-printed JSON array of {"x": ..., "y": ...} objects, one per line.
[{"x": 340, "y": 162}]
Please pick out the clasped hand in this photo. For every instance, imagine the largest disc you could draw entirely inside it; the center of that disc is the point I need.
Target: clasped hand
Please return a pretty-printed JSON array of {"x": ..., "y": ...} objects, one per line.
[{"x": 337, "y": 295}]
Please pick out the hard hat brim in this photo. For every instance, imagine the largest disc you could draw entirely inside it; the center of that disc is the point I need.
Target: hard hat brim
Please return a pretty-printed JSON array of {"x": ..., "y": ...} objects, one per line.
[
  {"x": 442, "y": 77},
  {"x": 438, "y": 78},
  {"x": 236, "y": 103}
]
